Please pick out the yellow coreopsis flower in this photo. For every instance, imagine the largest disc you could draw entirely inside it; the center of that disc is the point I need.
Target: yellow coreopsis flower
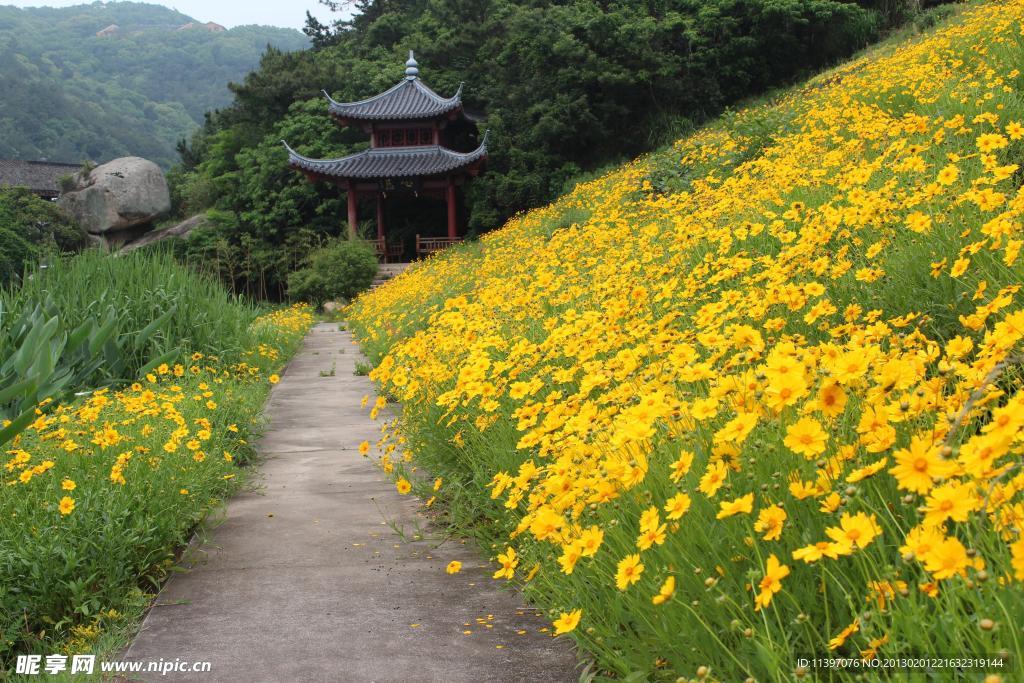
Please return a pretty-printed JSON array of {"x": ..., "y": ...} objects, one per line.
[
  {"x": 509, "y": 562},
  {"x": 66, "y": 506},
  {"x": 590, "y": 540},
  {"x": 677, "y": 505},
  {"x": 771, "y": 582},
  {"x": 403, "y": 486},
  {"x": 665, "y": 592},
  {"x": 628, "y": 571},
  {"x": 567, "y": 621},
  {"x": 454, "y": 567},
  {"x": 946, "y": 558},
  {"x": 918, "y": 466},
  {"x": 854, "y": 531},
  {"x": 836, "y": 642},
  {"x": 806, "y": 437},
  {"x": 742, "y": 505},
  {"x": 713, "y": 478},
  {"x": 770, "y": 522},
  {"x": 1017, "y": 550},
  {"x": 571, "y": 554}
]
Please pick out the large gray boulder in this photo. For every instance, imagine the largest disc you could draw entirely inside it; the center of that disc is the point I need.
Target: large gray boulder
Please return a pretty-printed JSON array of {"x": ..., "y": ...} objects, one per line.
[{"x": 118, "y": 200}]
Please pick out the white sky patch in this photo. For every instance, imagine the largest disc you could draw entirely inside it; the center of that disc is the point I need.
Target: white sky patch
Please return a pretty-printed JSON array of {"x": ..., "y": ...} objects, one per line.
[{"x": 231, "y": 13}]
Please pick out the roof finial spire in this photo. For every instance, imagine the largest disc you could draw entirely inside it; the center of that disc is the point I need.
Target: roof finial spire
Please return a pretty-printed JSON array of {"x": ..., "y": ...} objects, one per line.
[{"x": 412, "y": 69}]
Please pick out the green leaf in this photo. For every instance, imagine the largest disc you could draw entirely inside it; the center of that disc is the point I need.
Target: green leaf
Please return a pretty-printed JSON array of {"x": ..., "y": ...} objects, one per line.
[{"x": 17, "y": 425}]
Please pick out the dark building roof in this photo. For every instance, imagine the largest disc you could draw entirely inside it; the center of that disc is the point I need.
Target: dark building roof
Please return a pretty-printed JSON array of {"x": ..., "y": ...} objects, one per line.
[
  {"x": 410, "y": 98},
  {"x": 42, "y": 177},
  {"x": 390, "y": 162}
]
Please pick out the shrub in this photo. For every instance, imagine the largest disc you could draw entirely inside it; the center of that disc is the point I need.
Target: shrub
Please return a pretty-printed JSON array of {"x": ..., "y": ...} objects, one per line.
[
  {"x": 338, "y": 271},
  {"x": 15, "y": 252},
  {"x": 31, "y": 227}
]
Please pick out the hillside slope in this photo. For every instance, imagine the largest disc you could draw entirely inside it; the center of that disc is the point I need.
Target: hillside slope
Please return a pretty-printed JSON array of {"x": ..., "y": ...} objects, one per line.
[
  {"x": 757, "y": 397},
  {"x": 111, "y": 79}
]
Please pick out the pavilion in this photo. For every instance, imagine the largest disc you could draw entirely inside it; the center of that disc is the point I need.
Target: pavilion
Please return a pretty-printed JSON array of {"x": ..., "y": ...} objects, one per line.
[{"x": 407, "y": 126}]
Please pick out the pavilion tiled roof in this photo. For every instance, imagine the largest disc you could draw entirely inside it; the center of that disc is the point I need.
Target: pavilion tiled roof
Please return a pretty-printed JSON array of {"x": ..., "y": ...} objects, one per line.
[
  {"x": 410, "y": 98},
  {"x": 389, "y": 162},
  {"x": 42, "y": 177}
]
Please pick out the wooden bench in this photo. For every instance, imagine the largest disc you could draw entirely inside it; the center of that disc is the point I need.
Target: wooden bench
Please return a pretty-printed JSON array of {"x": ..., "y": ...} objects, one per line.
[{"x": 428, "y": 245}]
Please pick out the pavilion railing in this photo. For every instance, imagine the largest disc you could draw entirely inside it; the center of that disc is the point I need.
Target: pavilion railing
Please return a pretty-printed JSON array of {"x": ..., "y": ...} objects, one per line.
[
  {"x": 388, "y": 252},
  {"x": 428, "y": 245}
]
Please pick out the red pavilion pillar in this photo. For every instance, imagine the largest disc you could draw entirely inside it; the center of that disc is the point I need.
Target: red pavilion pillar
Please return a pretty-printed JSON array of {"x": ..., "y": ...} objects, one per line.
[
  {"x": 353, "y": 218},
  {"x": 380, "y": 216},
  {"x": 453, "y": 231}
]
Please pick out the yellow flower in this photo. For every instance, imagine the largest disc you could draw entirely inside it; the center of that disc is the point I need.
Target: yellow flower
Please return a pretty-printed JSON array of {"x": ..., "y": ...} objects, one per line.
[
  {"x": 945, "y": 559},
  {"x": 1017, "y": 550},
  {"x": 770, "y": 522},
  {"x": 652, "y": 535},
  {"x": 954, "y": 501},
  {"x": 742, "y": 505},
  {"x": 919, "y": 465},
  {"x": 771, "y": 582},
  {"x": 590, "y": 541},
  {"x": 509, "y": 562},
  {"x": 948, "y": 175},
  {"x": 831, "y": 399},
  {"x": 666, "y": 591},
  {"x": 713, "y": 479},
  {"x": 737, "y": 429},
  {"x": 67, "y": 505},
  {"x": 989, "y": 142},
  {"x": 840, "y": 638},
  {"x": 806, "y": 438},
  {"x": 274, "y": 379},
  {"x": 67, "y": 485},
  {"x": 677, "y": 505},
  {"x": 364, "y": 448},
  {"x": 628, "y": 572},
  {"x": 816, "y": 551},
  {"x": 567, "y": 621},
  {"x": 403, "y": 486},
  {"x": 454, "y": 567},
  {"x": 857, "y": 530},
  {"x": 571, "y": 554},
  {"x": 919, "y": 222},
  {"x": 681, "y": 466}
]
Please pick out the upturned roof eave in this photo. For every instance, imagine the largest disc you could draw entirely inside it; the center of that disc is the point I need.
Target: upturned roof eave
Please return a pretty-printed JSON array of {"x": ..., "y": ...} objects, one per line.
[
  {"x": 356, "y": 111},
  {"x": 322, "y": 167}
]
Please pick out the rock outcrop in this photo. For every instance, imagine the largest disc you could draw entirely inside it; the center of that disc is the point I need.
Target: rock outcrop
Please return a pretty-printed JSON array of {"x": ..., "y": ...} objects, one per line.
[
  {"x": 118, "y": 201},
  {"x": 180, "y": 231}
]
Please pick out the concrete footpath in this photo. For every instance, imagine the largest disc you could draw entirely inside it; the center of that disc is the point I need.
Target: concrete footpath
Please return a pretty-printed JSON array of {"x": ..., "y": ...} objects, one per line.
[{"x": 305, "y": 581}]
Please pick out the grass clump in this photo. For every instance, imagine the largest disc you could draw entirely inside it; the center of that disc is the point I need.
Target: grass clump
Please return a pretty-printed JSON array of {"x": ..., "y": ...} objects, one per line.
[{"x": 764, "y": 401}]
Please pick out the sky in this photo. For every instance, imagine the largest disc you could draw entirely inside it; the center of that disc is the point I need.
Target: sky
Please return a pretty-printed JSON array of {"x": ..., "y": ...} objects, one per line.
[{"x": 230, "y": 13}]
